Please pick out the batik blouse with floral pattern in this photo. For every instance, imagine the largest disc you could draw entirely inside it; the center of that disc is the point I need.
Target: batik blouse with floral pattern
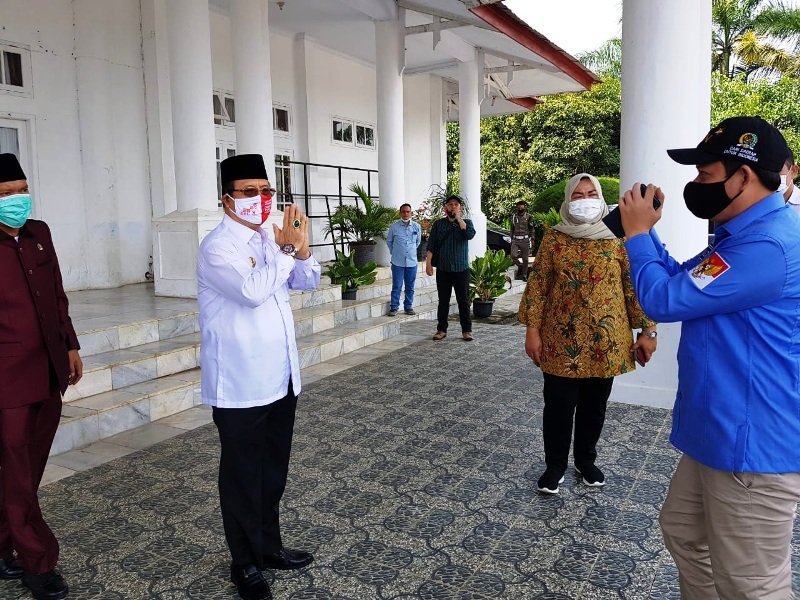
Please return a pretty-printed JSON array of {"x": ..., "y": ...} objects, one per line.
[{"x": 580, "y": 297}]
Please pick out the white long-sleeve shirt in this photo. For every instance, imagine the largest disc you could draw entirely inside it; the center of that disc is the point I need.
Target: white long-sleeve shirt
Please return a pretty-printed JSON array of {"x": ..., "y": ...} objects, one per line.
[{"x": 248, "y": 349}]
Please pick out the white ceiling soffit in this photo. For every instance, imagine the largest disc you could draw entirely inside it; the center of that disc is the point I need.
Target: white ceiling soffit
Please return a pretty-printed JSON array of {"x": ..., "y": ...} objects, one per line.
[
  {"x": 440, "y": 33},
  {"x": 512, "y": 69}
]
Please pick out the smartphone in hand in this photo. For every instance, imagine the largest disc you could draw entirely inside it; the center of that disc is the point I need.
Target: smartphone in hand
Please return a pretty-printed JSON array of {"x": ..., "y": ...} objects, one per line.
[
  {"x": 640, "y": 357},
  {"x": 613, "y": 220}
]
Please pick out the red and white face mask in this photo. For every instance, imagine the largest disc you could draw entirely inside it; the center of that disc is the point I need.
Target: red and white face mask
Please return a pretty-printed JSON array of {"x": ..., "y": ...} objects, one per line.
[{"x": 254, "y": 210}]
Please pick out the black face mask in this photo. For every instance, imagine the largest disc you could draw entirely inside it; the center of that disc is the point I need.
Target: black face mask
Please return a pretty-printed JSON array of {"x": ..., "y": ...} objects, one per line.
[
  {"x": 707, "y": 200},
  {"x": 451, "y": 214},
  {"x": 521, "y": 211}
]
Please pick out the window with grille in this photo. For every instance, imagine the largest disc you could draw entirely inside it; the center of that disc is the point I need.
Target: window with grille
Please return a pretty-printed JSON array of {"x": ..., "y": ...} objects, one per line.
[
  {"x": 283, "y": 181},
  {"x": 342, "y": 131},
  {"x": 365, "y": 136},
  {"x": 224, "y": 108}
]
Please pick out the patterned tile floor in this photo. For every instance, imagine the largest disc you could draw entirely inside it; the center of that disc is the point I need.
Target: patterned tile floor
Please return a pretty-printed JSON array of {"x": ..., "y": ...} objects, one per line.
[{"x": 413, "y": 476}]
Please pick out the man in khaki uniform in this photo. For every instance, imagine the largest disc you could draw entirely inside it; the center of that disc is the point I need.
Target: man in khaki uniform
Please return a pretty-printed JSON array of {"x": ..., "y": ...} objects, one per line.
[{"x": 521, "y": 239}]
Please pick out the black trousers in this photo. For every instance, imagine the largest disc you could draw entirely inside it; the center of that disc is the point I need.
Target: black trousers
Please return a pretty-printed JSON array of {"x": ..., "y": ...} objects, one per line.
[
  {"x": 256, "y": 443},
  {"x": 446, "y": 282},
  {"x": 566, "y": 398}
]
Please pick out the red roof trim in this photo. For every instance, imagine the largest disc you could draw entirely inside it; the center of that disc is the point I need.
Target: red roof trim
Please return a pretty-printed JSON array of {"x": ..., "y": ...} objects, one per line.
[
  {"x": 503, "y": 20},
  {"x": 529, "y": 103}
]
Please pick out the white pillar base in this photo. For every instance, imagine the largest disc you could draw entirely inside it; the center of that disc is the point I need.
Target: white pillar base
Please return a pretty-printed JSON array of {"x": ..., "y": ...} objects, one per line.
[{"x": 176, "y": 240}]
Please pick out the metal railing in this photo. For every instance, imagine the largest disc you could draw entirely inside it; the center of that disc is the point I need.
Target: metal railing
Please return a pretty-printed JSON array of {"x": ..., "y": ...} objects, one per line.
[{"x": 307, "y": 197}]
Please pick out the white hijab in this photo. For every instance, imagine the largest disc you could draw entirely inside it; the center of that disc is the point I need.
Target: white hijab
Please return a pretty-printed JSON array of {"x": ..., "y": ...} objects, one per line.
[{"x": 596, "y": 230}]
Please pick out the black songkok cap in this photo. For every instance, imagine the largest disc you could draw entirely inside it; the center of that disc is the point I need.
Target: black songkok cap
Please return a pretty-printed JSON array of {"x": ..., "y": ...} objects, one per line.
[
  {"x": 10, "y": 169},
  {"x": 242, "y": 166}
]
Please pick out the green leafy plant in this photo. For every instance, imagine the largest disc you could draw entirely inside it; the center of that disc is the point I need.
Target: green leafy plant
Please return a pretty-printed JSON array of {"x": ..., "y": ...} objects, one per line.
[
  {"x": 344, "y": 271},
  {"x": 357, "y": 224},
  {"x": 541, "y": 221},
  {"x": 488, "y": 275}
]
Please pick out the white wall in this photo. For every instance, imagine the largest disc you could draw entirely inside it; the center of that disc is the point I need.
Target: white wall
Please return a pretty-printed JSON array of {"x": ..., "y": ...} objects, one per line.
[
  {"x": 93, "y": 226},
  {"x": 423, "y": 135}
]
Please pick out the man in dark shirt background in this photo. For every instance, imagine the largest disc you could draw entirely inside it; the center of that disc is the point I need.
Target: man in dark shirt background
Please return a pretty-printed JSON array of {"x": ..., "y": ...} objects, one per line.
[{"x": 449, "y": 243}]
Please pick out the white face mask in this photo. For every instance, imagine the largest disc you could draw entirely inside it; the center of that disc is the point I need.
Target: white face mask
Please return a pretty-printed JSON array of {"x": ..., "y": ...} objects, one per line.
[
  {"x": 784, "y": 183},
  {"x": 585, "y": 211},
  {"x": 406, "y": 221},
  {"x": 254, "y": 210}
]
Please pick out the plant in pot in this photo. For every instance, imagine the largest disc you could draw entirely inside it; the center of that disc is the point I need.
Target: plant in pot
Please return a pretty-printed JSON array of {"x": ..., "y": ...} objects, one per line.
[
  {"x": 487, "y": 280},
  {"x": 351, "y": 276},
  {"x": 361, "y": 226},
  {"x": 426, "y": 215}
]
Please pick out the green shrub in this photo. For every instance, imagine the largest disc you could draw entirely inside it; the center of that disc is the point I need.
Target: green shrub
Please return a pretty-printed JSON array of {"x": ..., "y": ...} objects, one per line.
[{"x": 553, "y": 196}]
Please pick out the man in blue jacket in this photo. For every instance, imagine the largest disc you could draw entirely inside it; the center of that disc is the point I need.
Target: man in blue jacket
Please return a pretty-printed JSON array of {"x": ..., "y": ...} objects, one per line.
[{"x": 727, "y": 519}]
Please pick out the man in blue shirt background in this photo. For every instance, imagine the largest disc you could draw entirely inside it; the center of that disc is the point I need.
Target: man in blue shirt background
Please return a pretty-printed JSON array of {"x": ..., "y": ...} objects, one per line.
[
  {"x": 727, "y": 519},
  {"x": 403, "y": 238}
]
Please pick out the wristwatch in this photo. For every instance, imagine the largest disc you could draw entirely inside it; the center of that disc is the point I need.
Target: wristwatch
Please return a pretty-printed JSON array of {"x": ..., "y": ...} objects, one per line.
[
  {"x": 650, "y": 334},
  {"x": 289, "y": 250}
]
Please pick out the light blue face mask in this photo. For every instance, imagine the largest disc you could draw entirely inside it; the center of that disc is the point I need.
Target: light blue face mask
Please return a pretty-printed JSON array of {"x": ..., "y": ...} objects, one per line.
[{"x": 15, "y": 210}]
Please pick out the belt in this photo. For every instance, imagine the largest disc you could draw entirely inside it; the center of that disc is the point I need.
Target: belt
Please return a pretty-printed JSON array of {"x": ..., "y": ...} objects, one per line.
[{"x": 520, "y": 237}]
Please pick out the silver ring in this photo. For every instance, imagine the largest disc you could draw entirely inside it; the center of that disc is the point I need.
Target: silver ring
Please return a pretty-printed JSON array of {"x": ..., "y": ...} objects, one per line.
[{"x": 296, "y": 224}]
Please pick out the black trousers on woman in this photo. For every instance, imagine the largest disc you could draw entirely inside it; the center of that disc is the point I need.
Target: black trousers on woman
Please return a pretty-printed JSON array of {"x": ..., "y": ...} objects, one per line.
[
  {"x": 567, "y": 399},
  {"x": 446, "y": 282},
  {"x": 253, "y": 466}
]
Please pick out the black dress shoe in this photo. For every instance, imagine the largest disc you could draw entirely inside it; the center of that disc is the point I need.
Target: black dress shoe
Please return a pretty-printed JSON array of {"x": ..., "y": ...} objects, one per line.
[
  {"x": 250, "y": 583},
  {"x": 10, "y": 569},
  {"x": 286, "y": 559},
  {"x": 46, "y": 586}
]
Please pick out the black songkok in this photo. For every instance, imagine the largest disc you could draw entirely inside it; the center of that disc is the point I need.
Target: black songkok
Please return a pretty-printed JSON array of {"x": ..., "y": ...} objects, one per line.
[
  {"x": 10, "y": 169},
  {"x": 242, "y": 166}
]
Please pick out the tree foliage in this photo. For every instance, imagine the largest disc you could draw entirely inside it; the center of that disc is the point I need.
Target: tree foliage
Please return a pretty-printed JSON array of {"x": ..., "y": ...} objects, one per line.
[
  {"x": 747, "y": 37},
  {"x": 568, "y": 133},
  {"x": 606, "y": 61},
  {"x": 775, "y": 101}
]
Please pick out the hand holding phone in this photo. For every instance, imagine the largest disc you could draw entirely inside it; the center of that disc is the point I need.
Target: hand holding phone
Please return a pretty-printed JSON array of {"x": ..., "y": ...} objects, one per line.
[
  {"x": 640, "y": 357},
  {"x": 613, "y": 220}
]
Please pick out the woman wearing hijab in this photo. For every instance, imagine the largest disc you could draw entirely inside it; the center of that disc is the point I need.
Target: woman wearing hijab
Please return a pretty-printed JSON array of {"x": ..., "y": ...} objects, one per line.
[{"x": 579, "y": 308}]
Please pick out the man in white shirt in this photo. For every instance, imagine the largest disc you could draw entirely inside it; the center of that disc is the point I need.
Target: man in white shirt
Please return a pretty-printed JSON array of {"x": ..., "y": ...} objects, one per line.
[
  {"x": 250, "y": 366},
  {"x": 791, "y": 193}
]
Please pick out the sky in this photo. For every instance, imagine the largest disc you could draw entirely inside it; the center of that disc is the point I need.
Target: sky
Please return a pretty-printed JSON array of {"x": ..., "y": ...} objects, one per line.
[{"x": 600, "y": 20}]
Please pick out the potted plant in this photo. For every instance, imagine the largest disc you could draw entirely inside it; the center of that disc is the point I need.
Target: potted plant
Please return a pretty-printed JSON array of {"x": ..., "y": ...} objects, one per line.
[
  {"x": 351, "y": 276},
  {"x": 487, "y": 280},
  {"x": 361, "y": 226},
  {"x": 426, "y": 215}
]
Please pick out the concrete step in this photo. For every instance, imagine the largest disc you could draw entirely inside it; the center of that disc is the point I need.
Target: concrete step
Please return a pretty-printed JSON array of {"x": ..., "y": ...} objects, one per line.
[{"x": 126, "y": 387}]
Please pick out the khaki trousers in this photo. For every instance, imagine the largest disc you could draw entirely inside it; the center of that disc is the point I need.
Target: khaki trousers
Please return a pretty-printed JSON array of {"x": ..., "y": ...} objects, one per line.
[{"x": 730, "y": 533}]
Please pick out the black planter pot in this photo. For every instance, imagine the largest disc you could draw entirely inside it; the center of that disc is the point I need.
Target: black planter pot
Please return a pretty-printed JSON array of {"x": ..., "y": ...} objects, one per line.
[
  {"x": 349, "y": 294},
  {"x": 364, "y": 252},
  {"x": 482, "y": 308},
  {"x": 422, "y": 250}
]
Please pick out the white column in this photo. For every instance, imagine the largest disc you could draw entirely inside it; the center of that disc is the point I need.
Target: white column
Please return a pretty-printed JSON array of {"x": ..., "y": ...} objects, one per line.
[
  {"x": 177, "y": 235},
  {"x": 252, "y": 81},
  {"x": 469, "y": 145},
  {"x": 666, "y": 103},
  {"x": 192, "y": 111},
  {"x": 389, "y": 66}
]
